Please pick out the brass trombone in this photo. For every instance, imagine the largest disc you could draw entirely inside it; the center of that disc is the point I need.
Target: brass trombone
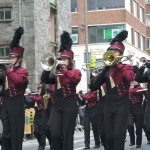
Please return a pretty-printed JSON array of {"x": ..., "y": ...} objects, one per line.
[{"x": 109, "y": 59}]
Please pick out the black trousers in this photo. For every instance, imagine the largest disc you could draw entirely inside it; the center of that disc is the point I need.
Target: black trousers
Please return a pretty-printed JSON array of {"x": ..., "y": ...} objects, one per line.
[
  {"x": 135, "y": 117},
  {"x": 90, "y": 117},
  {"x": 46, "y": 125},
  {"x": 147, "y": 119},
  {"x": 62, "y": 122},
  {"x": 38, "y": 128},
  {"x": 100, "y": 120},
  {"x": 13, "y": 118},
  {"x": 115, "y": 121}
]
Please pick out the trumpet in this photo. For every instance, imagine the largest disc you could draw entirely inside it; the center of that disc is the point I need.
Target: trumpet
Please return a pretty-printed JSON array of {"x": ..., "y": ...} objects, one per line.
[
  {"x": 49, "y": 62},
  {"x": 144, "y": 61},
  {"x": 109, "y": 59}
]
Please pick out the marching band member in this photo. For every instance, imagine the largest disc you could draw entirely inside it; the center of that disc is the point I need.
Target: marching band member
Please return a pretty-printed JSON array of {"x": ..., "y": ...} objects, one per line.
[
  {"x": 117, "y": 79},
  {"x": 47, "y": 111},
  {"x": 64, "y": 111},
  {"x": 144, "y": 107},
  {"x": 100, "y": 111},
  {"x": 38, "y": 119},
  {"x": 14, "y": 86},
  {"x": 90, "y": 100},
  {"x": 135, "y": 114},
  {"x": 142, "y": 77}
]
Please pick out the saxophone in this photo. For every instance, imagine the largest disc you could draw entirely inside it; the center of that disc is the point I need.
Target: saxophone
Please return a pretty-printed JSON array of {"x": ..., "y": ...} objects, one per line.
[{"x": 46, "y": 98}]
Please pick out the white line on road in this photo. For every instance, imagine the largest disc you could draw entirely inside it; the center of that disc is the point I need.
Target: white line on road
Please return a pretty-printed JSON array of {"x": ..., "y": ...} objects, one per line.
[
  {"x": 81, "y": 147},
  {"x": 81, "y": 140}
]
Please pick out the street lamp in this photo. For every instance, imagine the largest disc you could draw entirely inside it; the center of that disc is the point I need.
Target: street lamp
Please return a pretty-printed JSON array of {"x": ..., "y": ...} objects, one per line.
[{"x": 86, "y": 37}]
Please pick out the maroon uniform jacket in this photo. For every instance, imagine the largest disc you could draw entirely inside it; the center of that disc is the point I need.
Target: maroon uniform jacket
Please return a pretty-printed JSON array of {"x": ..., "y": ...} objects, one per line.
[
  {"x": 52, "y": 95},
  {"x": 68, "y": 81},
  {"x": 119, "y": 77},
  {"x": 17, "y": 81},
  {"x": 90, "y": 98},
  {"x": 38, "y": 100},
  {"x": 136, "y": 97}
]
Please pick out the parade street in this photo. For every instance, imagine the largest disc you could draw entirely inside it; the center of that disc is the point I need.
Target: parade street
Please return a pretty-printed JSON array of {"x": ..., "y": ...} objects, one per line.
[{"x": 79, "y": 143}]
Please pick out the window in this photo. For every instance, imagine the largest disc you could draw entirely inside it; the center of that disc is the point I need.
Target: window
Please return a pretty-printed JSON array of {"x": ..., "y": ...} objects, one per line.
[
  {"x": 147, "y": 1},
  {"x": 148, "y": 20},
  {"x": 148, "y": 43},
  {"x": 5, "y": 15},
  {"x": 4, "y": 51},
  {"x": 53, "y": 32},
  {"x": 105, "y": 4},
  {"x": 104, "y": 33},
  {"x": 75, "y": 35},
  {"x": 74, "y": 6},
  {"x": 142, "y": 43},
  {"x": 135, "y": 9},
  {"x": 136, "y": 39},
  {"x": 141, "y": 14}
]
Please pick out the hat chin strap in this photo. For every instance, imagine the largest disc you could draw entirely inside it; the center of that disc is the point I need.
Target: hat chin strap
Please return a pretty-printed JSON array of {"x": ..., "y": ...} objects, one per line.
[{"x": 16, "y": 62}]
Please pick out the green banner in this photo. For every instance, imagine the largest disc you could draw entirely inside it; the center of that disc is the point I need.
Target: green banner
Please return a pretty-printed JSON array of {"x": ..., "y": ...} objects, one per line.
[{"x": 108, "y": 34}]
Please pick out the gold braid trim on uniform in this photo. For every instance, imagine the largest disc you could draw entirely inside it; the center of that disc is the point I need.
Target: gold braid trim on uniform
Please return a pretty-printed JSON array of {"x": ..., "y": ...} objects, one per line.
[
  {"x": 58, "y": 84},
  {"x": 46, "y": 97},
  {"x": 6, "y": 83},
  {"x": 112, "y": 82},
  {"x": 102, "y": 91}
]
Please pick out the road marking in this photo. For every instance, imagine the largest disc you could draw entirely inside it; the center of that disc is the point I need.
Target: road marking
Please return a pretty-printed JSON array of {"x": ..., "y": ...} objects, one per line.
[
  {"x": 81, "y": 140},
  {"x": 81, "y": 147}
]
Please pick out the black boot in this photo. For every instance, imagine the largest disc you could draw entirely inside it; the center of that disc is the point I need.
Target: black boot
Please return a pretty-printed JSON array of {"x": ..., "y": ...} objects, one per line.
[
  {"x": 86, "y": 147},
  {"x": 148, "y": 142},
  {"x": 138, "y": 146},
  {"x": 131, "y": 144},
  {"x": 96, "y": 146}
]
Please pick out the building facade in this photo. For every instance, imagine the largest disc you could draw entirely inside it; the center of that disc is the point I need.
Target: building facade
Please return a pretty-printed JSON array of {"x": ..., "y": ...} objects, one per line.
[
  {"x": 43, "y": 22},
  {"x": 105, "y": 19}
]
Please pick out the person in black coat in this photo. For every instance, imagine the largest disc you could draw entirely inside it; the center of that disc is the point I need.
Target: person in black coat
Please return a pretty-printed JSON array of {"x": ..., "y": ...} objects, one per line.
[{"x": 142, "y": 77}]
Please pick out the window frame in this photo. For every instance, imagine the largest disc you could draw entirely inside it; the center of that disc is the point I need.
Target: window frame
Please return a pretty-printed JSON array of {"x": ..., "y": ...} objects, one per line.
[
  {"x": 136, "y": 14},
  {"x": 75, "y": 9},
  {"x": 142, "y": 16},
  {"x": 146, "y": 20},
  {"x": 142, "y": 42},
  {"x": 4, "y": 10},
  {"x": 148, "y": 43},
  {"x": 4, "y": 49},
  {"x": 77, "y": 34},
  {"x": 136, "y": 39},
  {"x": 95, "y": 2}
]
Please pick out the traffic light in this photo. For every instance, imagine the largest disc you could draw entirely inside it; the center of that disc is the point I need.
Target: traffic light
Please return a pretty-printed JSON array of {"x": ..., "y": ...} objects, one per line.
[{"x": 31, "y": 117}]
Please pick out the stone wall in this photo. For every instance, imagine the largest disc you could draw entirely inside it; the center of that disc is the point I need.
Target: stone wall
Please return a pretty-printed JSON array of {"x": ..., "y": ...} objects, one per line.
[
  {"x": 63, "y": 18},
  {"x": 35, "y": 18}
]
